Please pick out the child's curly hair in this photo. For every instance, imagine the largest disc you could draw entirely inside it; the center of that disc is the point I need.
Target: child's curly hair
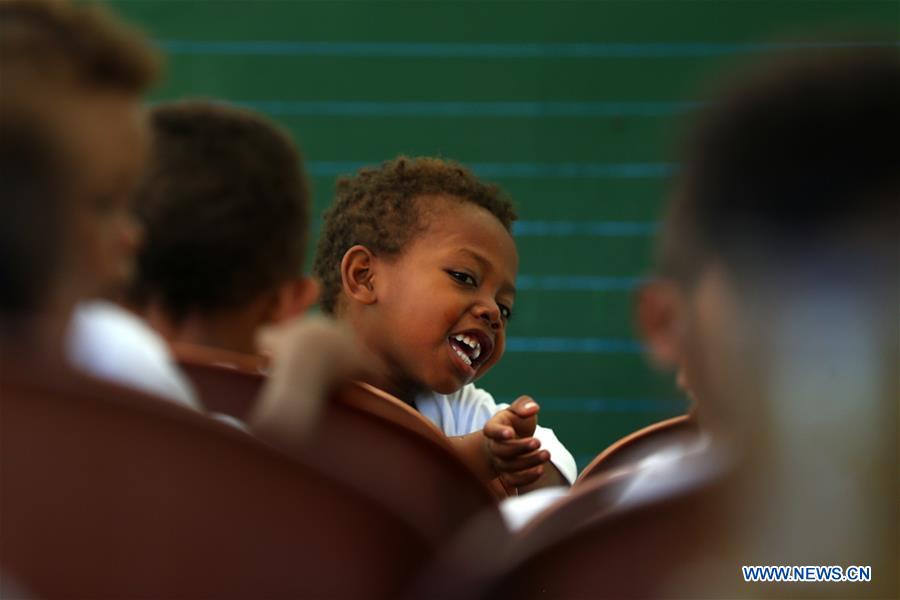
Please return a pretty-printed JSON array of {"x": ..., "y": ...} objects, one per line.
[{"x": 378, "y": 208}]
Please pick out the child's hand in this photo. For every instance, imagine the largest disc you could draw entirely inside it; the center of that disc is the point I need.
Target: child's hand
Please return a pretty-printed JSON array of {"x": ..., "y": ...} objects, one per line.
[{"x": 512, "y": 451}]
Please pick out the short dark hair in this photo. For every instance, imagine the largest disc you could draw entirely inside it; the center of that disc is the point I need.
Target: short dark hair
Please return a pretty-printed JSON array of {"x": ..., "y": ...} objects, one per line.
[
  {"x": 225, "y": 207},
  {"x": 803, "y": 151},
  {"x": 378, "y": 208},
  {"x": 69, "y": 40},
  {"x": 36, "y": 176}
]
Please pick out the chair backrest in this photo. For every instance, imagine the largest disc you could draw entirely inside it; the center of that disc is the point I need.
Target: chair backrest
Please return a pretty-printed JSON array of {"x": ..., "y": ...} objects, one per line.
[
  {"x": 476, "y": 560},
  {"x": 226, "y": 382},
  {"x": 631, "y": 449},
  {"x": 411, "y": 467},
  {"x": 107, "y": 493},
  {"x": 378, "y": 403},
  {"x": 373, "y": 441},
  {"x": 637, "y": 551},
  {"x": 589, "y": 544}
]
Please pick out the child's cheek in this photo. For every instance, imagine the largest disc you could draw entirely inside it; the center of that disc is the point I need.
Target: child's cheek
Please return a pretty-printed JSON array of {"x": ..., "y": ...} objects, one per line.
[{"x": 451, "y": 316}]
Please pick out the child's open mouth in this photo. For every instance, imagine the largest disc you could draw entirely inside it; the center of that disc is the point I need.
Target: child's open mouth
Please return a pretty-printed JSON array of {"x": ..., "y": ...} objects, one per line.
[{"x": 472, "y": 348}]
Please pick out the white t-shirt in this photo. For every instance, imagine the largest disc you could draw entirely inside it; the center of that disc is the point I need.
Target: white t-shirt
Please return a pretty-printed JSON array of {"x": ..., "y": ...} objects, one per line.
[
  {"x": 111, "y": 343},
  {"x": 470, "y": 408}
]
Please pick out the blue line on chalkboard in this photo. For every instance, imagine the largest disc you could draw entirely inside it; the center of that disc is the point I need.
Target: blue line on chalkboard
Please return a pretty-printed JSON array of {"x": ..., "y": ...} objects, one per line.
[
  {"x": 604, "y": 404},
  {"x": 578, "y": 283},
  {"x": 587, "y": 228},
  {"x": 573, "y": 345},
  {"x": 495, "y": 50},
  {"x": 448, "y": 109},
  {"x": 571, "y": 228},
  {"x": 527, "y": 170}
]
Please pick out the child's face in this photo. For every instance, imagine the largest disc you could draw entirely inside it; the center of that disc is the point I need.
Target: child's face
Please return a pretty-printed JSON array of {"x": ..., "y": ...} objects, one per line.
[
  {"x": 443, "y": 305},
  {"x": 113, "y": 135}
]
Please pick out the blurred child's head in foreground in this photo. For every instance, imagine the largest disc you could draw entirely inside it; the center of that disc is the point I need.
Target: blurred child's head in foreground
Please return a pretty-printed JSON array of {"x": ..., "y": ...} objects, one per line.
[
  {"x": 785, "y": 218},
  {"x": 75, "y": 76}
]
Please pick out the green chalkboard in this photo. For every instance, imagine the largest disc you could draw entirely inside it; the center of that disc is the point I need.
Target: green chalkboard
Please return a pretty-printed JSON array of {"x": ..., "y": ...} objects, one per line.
[{"x": 574, "y": 108}]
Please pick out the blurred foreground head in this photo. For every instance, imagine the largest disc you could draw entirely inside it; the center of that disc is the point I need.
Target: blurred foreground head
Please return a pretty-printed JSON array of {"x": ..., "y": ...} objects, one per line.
[
  {"x": 72, "y": 146},
  {"x": 778, "y": 300},
  {"x": 780, "y": 241}
]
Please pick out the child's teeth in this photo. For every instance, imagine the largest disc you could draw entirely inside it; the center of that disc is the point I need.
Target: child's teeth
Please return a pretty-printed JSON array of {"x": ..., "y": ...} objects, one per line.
[
  {"x": 463, "y": 356},
  {"x": 473, "y": 345}
]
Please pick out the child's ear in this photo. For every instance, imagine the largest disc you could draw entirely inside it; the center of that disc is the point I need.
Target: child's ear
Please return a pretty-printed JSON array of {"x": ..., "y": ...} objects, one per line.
[
  {"x": 358, "y": 274},
  {"x": 293, "y": 298},
  {"x": 659, "y": 314}
]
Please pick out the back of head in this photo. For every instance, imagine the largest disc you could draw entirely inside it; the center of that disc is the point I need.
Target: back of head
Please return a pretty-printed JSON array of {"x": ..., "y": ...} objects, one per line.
[
  {"x": 225, "y": 208},
  {"x": 379, "y": 208},
  {"x": 798, "y": 160},
  {"x": 787, "y": 213},
  {"x": 783, "y": 233}
]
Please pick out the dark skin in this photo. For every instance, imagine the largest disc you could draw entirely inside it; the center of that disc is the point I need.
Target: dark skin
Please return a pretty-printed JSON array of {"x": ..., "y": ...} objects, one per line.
[
  {"x": 506, "y": 449},
  {"x": 456, "y": 277}
]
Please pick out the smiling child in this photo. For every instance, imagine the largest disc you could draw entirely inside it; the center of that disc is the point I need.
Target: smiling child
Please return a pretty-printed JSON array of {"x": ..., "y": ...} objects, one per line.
[{"x": 417, "y": 257}]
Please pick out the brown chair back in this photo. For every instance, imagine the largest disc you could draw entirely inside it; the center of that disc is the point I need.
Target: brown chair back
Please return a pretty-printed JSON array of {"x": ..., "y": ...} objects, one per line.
[
  {"x": 370, "y": 440},
  {"x": 477, "y": 559},
  {"x": 634, "y": 447},
  {"x": 226, "y": 382},
  {"x": 415, "y": 470},
  {"x": 586, "y": 545},
  {"x": 618, "y": 552},
  {"x": 107, "y": 493}
]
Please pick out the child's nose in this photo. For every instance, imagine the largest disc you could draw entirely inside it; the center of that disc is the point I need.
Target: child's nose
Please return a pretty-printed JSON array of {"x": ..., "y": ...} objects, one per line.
[{"x": 490, "y": 313}]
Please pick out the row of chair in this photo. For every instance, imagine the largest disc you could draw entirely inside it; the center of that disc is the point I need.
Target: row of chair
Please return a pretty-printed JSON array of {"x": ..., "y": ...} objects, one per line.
[{"x": 110, "y": 493}]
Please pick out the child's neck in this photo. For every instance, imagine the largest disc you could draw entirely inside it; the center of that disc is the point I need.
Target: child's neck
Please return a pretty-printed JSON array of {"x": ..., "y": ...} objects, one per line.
[{"x": 383, "y": 372}]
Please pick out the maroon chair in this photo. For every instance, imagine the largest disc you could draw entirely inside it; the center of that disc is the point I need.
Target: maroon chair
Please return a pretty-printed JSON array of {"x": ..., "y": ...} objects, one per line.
[
  {"x": 227, "y": 382},
  {"x": 588, "y": 544},
  {"x": 368, "y": 439},
  {"x": 644, "y": 550},
  {"x": 631, "y": 449},
  {"x": 107, "y": 493}
]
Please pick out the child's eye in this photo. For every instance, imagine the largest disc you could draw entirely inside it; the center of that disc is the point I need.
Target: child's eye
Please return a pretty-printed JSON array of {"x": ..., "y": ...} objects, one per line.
[
  {"x": 505, "y": 311},
  {"x": 463, "y": 278}
]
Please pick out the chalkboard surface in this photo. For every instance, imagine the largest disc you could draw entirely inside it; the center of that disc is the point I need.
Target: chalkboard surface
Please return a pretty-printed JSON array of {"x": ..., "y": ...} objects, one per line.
[{"x": 575, "y": 108}]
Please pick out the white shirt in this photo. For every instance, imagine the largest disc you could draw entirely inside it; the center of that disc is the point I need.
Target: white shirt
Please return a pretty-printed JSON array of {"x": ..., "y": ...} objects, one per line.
[
  {"x": 470, "y": 408},
  {"x": 111, "y": 343}
]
